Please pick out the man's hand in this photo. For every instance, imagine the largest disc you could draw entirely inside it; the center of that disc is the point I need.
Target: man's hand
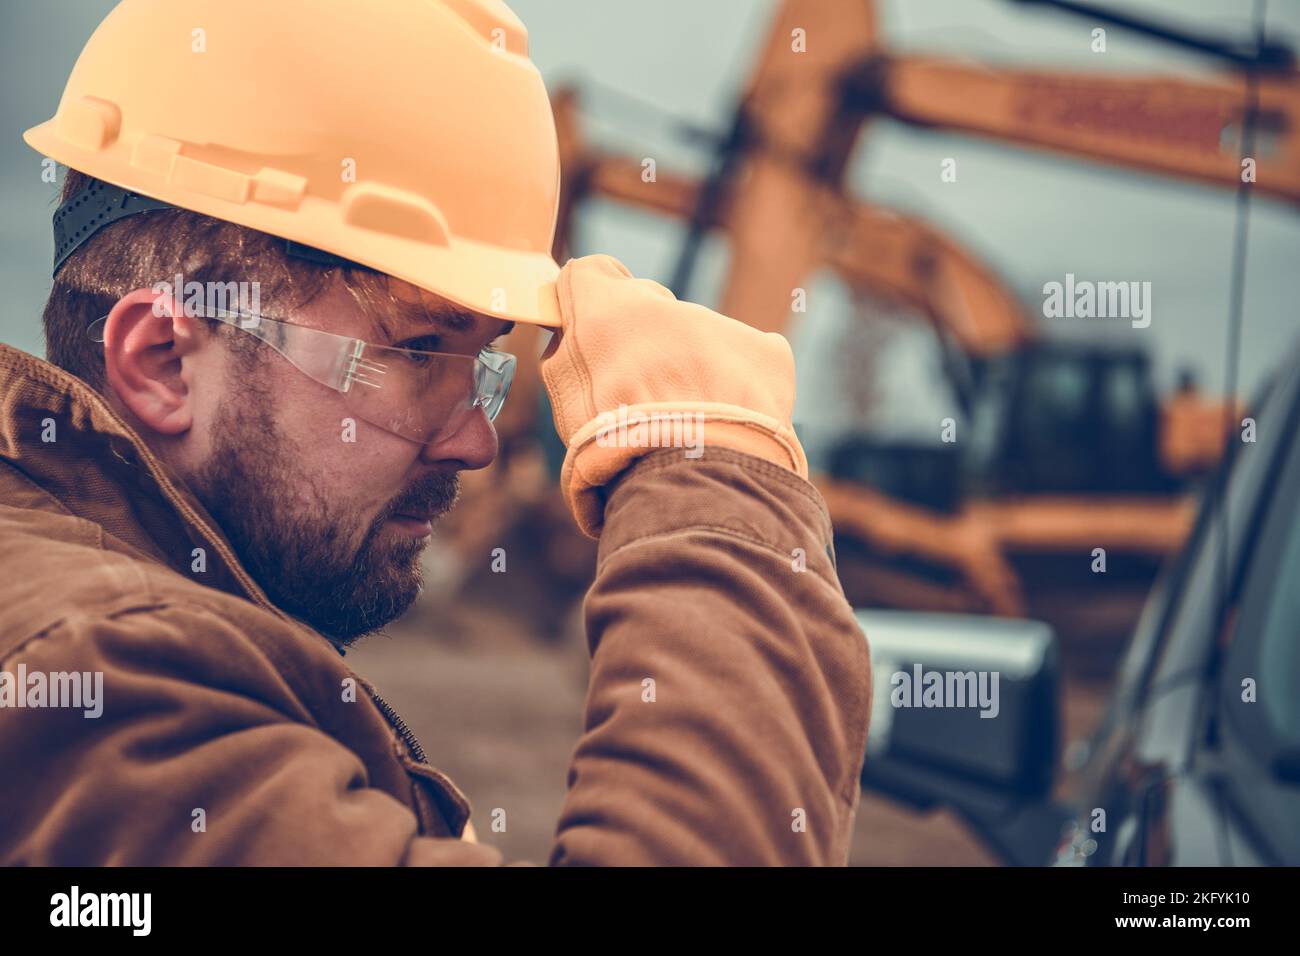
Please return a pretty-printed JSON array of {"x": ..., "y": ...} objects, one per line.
[{"x": 628, "y": 350}]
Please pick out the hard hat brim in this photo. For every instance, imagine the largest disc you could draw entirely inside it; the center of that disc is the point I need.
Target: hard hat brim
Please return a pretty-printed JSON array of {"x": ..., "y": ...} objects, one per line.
[{"x": 510, "y": 284}]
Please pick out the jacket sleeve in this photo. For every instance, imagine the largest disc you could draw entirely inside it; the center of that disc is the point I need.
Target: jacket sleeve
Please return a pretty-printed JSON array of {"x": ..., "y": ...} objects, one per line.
[
  {"x": 201, "y": 756},
  {"x": 730, "y": 689}
]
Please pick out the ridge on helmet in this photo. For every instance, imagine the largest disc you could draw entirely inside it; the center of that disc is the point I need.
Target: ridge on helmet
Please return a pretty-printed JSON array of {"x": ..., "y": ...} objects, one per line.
[{"x": 411, "y": 136}]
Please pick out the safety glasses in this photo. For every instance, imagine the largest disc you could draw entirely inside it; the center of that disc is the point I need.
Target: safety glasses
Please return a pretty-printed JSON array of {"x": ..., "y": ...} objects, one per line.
[{"x": 425, "y": 397}]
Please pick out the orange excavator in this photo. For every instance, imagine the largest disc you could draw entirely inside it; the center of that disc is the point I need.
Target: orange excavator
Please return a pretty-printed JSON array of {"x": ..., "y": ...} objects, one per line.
[{"x": 777, "y": 191}]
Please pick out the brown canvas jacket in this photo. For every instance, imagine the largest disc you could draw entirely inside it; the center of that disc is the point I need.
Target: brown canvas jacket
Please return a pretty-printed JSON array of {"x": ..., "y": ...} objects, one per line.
[{"x": 226, "y": 736}]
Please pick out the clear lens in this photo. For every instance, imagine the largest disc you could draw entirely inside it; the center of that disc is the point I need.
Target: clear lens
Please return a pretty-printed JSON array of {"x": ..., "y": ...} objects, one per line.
[{"x": 425, "y": 396}]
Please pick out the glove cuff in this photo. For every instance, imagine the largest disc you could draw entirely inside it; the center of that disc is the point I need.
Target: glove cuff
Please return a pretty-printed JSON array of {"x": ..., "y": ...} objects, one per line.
[{"x": 611, "y": 443}]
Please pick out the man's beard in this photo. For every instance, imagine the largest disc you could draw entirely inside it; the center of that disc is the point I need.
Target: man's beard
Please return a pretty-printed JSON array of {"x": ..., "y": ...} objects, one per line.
[{"x": 297, "y": 542}]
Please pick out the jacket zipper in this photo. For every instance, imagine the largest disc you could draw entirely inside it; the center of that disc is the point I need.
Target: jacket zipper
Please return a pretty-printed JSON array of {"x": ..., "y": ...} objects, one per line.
[{"x": 396, "y": 720}]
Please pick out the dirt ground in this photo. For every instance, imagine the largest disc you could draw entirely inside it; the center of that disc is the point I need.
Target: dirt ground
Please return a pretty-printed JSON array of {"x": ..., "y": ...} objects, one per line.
[{"x": 500, "y": 710}]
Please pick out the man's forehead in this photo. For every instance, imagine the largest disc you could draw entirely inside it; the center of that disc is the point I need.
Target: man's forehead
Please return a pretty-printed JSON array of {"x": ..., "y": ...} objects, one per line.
[{"x": 415, "y": 311}]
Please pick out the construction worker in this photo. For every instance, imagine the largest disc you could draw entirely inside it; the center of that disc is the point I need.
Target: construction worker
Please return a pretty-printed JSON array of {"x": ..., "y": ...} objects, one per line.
[{"x": 290, "y": 233}]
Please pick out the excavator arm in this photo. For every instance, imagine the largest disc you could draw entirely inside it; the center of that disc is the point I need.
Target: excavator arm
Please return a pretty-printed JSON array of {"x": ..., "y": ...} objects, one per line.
[
  {"x": 778, "y": 194},
  {"x": 1176, "y": 127}
]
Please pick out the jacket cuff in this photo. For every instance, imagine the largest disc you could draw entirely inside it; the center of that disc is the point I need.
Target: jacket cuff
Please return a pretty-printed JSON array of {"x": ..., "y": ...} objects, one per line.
[
  {"x": 725, "y": 492},
  {"x": 590, "y": 467}
]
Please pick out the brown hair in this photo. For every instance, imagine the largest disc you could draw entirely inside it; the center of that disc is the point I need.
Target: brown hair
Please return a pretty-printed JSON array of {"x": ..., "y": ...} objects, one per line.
[{"x": 138, "y": 251}]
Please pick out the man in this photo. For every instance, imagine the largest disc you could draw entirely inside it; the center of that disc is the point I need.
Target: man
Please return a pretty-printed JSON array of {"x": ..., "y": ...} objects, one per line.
[{"x": 207, "y": 495}]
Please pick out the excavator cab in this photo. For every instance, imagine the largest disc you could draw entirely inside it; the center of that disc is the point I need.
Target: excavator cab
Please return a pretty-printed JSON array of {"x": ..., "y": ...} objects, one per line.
[
  {"x": 1050, "y": 417},
  {"x": 1060, "y": 416}
]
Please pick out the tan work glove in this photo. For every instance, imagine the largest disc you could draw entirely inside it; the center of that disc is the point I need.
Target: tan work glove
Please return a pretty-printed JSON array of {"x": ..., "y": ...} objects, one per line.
[{"x": 627, "y": 348}]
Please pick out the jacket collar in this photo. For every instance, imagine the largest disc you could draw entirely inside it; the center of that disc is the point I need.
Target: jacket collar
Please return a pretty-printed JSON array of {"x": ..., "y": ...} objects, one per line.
[{"x": 61, "y": 435}]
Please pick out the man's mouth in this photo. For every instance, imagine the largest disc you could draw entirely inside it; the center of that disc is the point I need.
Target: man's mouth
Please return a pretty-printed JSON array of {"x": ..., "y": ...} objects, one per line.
[
  {"x": 418, "y": 525},
  {"x": 416, "y": 515}
]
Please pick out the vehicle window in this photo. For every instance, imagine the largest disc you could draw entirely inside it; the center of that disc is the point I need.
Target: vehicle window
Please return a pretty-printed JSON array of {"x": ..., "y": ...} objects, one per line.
[
  {"x": 1186, "y": 644},
  {"x": 1124, "y": 398},
  {"x": 1266, "y": 640},
  {"x": 1174, "y": 631},
  {"x": 1253, "y": 725},
  {"x": 1279, "y": 657}
]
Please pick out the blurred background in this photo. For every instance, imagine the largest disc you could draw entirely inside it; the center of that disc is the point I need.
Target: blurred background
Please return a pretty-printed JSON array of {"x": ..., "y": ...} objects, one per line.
[{"x": 890, "y": 184}]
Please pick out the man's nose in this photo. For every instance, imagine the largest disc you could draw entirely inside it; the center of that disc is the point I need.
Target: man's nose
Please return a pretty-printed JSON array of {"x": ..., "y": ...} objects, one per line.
[{"x": 470, "y": 446}]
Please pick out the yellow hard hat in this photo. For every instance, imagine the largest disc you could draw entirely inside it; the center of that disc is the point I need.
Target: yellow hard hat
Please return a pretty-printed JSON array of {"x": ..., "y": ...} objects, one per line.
[{"x": 411, "y": 136}]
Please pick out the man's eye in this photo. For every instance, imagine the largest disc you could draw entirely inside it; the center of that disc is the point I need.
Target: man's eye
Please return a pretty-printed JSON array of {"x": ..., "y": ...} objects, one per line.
[{"x": 427, "y": 343}]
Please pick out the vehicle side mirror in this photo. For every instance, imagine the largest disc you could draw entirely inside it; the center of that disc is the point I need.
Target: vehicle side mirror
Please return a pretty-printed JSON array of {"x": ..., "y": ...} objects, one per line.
[{"x": 966, "y": 713}]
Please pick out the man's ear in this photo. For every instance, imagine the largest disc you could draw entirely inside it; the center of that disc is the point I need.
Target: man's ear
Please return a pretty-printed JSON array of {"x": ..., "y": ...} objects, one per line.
[{"x": 146, "y": 339}]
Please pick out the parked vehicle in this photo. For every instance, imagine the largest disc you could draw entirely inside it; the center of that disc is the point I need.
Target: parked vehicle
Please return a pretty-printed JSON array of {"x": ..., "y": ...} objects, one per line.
[{"x": 1197, "y": 759}]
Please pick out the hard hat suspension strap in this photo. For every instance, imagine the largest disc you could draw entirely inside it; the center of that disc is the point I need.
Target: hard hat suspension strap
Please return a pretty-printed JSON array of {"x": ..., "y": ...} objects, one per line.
[{"x": 102, "y": 204}]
